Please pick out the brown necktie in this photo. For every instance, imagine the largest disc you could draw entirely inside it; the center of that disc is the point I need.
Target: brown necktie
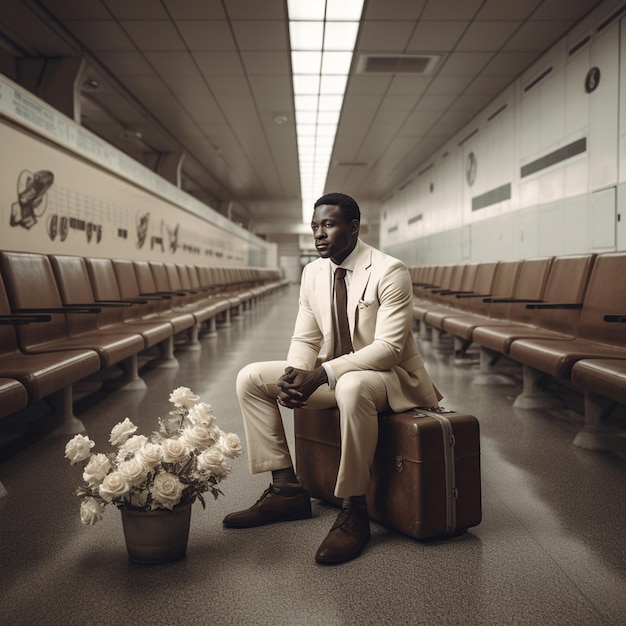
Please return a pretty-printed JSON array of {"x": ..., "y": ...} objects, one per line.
[{"x": 343, "y": 343}]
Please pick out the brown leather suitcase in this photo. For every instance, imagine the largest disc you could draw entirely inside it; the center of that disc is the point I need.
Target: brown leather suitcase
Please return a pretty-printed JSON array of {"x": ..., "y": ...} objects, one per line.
[{"x": 426, "y": 474}]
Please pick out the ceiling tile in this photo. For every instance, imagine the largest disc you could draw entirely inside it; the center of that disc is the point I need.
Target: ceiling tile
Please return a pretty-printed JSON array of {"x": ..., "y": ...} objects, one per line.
[
  {"x": 393, "y": 9},
  {"x": 488, "y": 85},
  {"x": 437, "y": 36},
  {"x": 264, "y": 63},
  {"x": 470, "y": 103},
  {"x": 218, "y": 63},
  {"x": 77, "y": 9},
  {"x": 384, "y": 36},
  {"x": 195, "y": 9},
  {"x": 498, "y": 10},
  {"x": 265, "y": 35},
  {"x": 509, "y": 64},
  {"x": 102, "y": 36},
  {"x": 361, "y": 85},
  {"x": 255, "y": 10},
  {"x": 436, "y": 102},
  {"x": 558, "y": 10},
  {"x": 137, "y": 9},
  {"x": 449, "y": 84},
  {"x": 534, "y": 36},
  {"x": 126, "y": 63},
  {"x": 409, "y": 85},
  {"x": 264, "y": 85},
  {"x": 465, "y": 64},
  {"x": 153, "y": 34},
  {"x": 206, "y": 34},
  {"x": 451, "y": 9},
  {"x": 487, "y": 36},
  {"x": 173, "y": 63},
  {"x": 148, "y": 85}
]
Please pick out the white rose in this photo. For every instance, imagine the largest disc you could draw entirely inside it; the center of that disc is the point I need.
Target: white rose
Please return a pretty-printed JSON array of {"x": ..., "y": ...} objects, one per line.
[
  {"x": 167, "y": 490},
  {"x": 90, "y": 511},
  {"x": 113, "y": 486},
  {"x": 183, "y": 396},
  {"x": 201, "y": 415},
  {"x": 97, "y": 468},
  {"x": 133, "y": 471},
  {"x": 197, "y": 437},
  {"x": 213, "y": 461},
  {"x": 173, "y": 450},
  {"x": 78, "y": 448},
  {"x": 121, "y": 432},
  {"x": 133, "y": 444},
  {"x": 150, "y": 454},
  {"x": 230, "y": 444}
]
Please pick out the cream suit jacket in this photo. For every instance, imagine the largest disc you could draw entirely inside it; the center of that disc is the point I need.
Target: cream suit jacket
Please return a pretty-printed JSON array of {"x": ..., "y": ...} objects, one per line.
[{"x": 380, "y": 314}]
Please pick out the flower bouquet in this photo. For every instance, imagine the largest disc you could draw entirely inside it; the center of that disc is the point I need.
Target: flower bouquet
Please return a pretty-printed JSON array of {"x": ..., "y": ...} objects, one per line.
[{"x": 187, "y": 457}]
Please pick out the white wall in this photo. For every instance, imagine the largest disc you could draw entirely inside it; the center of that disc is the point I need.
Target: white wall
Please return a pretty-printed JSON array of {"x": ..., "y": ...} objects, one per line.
[
  {"x": 63, "y": 190},
  {"x": 507, "y": 212}
]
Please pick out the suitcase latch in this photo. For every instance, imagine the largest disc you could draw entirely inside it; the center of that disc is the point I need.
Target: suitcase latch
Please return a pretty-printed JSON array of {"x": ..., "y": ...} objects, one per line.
[{"x": 399, "y": 464}]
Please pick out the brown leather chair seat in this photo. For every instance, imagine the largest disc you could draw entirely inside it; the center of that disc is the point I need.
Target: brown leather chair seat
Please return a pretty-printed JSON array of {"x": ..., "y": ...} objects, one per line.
[
  {"x": 41, "y": 374},
  {"x": 596, "y": 339},
  {"x": 13, "y": 396},
  {"x": 604, "y": 377}
]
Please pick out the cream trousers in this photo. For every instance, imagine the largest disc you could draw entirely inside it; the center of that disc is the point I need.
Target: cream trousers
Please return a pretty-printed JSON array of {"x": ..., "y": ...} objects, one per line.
[{"x": 360, "y": 396}]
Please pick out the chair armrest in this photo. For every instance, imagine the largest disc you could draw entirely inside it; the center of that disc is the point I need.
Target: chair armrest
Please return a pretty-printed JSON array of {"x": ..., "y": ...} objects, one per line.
[
  {"x": 556, "y": 305},
  {"x": 508, "y": 300},
  {"x": 615, "y": 318},
  {"x": 156, "y": 296},
  {"x": 473, "y": 295},
  {"x": 114, "y": 303},
  {"x": 17, "y": 320},
  {"x": 63, "y": 309}
]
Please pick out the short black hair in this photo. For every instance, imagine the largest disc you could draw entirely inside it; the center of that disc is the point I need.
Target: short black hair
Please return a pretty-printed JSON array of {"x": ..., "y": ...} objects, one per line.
[{"x": 347, "y": 205}]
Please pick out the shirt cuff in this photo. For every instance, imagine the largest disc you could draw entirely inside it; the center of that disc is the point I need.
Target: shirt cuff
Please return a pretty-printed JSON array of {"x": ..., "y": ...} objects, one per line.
[{"x": 332, "y": 381}]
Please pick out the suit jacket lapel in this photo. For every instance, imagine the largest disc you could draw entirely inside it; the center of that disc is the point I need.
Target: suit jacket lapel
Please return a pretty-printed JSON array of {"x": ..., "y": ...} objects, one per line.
[{"x": 360, "y": 279}]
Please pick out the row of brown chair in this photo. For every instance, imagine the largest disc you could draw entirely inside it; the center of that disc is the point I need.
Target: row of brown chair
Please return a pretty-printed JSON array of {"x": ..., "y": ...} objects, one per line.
[
  {"x": 554, "y": 315},
  {"x": 64, "y": 319}
]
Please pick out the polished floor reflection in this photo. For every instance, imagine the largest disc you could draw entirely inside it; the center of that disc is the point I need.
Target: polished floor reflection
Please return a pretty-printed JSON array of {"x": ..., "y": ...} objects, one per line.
[{"x": 550, "y": 549}]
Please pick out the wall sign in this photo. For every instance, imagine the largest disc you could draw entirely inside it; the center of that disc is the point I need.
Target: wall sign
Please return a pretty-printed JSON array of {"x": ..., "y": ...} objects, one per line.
[
  {"x": 592, "y": 80},
  {"x": 470, "y": 169}
]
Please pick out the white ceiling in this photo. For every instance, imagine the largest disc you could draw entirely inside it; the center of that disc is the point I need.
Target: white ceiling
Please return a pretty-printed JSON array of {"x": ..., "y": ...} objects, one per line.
[{"x": 207, "y": 78}]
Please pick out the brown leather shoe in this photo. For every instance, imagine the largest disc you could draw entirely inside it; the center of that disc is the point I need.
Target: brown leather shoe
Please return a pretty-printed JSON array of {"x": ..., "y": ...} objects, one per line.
[
  {"x": 277, "y": 504},
  {"x": 346, "y": 539}
]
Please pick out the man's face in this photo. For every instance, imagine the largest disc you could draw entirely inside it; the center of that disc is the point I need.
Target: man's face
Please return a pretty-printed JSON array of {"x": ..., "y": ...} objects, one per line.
[{"x": 334, "y": 238}]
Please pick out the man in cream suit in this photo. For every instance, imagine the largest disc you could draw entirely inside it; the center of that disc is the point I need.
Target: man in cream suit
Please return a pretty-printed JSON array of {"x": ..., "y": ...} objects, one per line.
[{"x": 365, "y": 365}]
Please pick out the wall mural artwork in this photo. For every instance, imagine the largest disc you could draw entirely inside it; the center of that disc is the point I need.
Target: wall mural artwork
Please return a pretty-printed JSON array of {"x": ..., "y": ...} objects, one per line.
[{"x": 32, "y": 198}]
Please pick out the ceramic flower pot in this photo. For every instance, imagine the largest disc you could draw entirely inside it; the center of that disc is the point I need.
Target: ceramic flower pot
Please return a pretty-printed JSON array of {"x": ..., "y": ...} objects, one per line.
[{"x": 158, "y": 536}]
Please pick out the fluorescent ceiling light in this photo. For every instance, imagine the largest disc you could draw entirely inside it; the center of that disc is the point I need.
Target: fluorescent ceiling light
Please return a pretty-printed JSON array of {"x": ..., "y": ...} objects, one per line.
[{"x": 323, "y": 34}]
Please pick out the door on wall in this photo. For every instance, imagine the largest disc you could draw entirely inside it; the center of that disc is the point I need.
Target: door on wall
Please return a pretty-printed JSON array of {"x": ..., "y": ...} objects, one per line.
[{"x": 603, "y": 220}]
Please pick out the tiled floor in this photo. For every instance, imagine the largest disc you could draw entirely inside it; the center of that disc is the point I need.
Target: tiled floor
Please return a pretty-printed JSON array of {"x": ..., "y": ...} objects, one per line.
[{"x": 550, "y": 550}]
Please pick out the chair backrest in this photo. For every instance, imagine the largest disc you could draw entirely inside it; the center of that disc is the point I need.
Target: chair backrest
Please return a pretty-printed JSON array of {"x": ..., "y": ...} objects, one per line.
[
  {"x": 74, "y": 287},
  {"x": 501, "y": 278},
  {"x": 605, "y": 295},
  {"x": 8, "y": 337},
  {"x": 103, "y": 280},
  {"x": 531, "y": 285},
  {"x": 30, "y": 284},
  {"x": 566, "y": 284}
]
